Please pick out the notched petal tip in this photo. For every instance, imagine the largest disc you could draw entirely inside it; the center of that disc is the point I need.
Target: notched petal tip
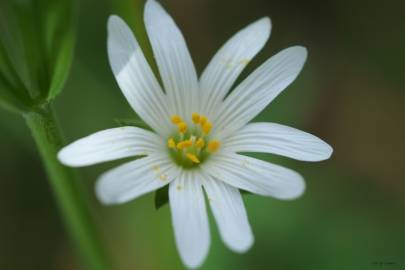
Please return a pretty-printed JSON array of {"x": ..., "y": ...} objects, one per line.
[
  {"x": 66, "y": 156},
  {"x": 323, "y": 149},
  {"x": 295, "y": 56},
  {"x": 193, "y": 264},
  {"x": 121, "y": 43},
  {"x": 262, "y": 26},
  {"x": 243, "y": 247},
  {"x": 62, "y": 156},
  {"x": 152, "y": 6},
  {"x": 155, "y": 16},
  {"x": 299, "y": 52},
  {"x": 113, "y": 22},
  {"x": 103, "y": 188},
  {"x": 118, "y": 29},
  {"x": 328, "y": 150},
  {"x": 297, "y": 188},
  {"x": 102, "y": 193},
  {"x": 99, "y": 191},
  {"x": 264, "y": 23}
]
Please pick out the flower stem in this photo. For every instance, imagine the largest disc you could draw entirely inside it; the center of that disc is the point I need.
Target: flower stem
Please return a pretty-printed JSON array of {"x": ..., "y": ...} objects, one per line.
[{"x": 67, "y": 189}]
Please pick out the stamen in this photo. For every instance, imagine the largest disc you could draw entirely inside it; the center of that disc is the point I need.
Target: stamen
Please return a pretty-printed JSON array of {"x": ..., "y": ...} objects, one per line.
[
  {"x": 176, "y": 119},
  {"x": 200, "y": 143},
  {"x": 189, "y": 142},
  {"x": 192, "y": 144},
  {"x": 171, "y": 143},
  {"x": 184, "y": 144},
  {"x": 182, "y": 127},
  {"x": 193, "y": 158},
  {"x": 207, "y": 127},
  {"x": 213, "y": 146},
  {"x": 196, "y": 118},
  {"x": 203, "y": 119}
]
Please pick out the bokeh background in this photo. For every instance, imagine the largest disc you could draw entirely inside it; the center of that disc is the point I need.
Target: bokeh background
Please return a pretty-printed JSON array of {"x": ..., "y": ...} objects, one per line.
[{"x": 351, "y": 93}]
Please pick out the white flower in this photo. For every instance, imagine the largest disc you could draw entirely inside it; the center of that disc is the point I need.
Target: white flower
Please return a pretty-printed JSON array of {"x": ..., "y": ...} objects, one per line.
[{"x": 198, "y": 131}]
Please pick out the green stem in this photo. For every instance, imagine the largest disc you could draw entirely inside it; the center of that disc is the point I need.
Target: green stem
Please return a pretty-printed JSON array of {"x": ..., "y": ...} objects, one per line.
[{"x": 66, "y": 186}]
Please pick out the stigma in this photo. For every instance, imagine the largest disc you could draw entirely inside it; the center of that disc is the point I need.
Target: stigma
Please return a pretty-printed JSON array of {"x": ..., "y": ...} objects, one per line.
[{"x": 191, "y": 145}]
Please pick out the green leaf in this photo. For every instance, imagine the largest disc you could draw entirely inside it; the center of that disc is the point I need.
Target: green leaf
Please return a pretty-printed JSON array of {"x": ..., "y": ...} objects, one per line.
[
  {"x": 161, "y": 197},
  {"x": 132, "y": 122}
]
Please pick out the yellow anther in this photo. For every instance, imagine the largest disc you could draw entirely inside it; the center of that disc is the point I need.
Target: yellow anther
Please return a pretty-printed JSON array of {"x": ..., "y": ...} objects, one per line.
[
  {"x": 182, "y": 127},
  {"x": 207, "y": 127},
  {"x": 200, "y": 143},
  {"x": 203, "y": 119},
  {"x": 196, "y": 118},
  {"x": 184, "y": 144},
  {"x": 188, "y": 142},
  {"x": 213, "y": 146},
  {"x": 171, "y": 143},
  {"x": 180, "y": 146},
  {"x": 176, "y": 119},
  {"x": 193, "y": 158}
]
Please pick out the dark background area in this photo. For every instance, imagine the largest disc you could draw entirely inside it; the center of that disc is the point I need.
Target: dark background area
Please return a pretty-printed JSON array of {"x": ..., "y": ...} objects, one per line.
[{"x": 351, "y": 94}]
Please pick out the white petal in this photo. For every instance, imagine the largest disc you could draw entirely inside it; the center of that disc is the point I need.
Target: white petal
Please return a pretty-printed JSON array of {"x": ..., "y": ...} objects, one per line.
[
  {"x": 189, "y": 218},
  {"x": 255, "y": 175},
  {"x": 259, "y": 89},
  {"x": 109, "y": 145},
  {"x": 173, "y": 59},
  {"x": 230, "y": 214},
  {"x": 135, "y": 77},
  {"x": 223, "y": 70},
  {"x": 278, "y": 139},
  {"x": 135, "y": 178}
]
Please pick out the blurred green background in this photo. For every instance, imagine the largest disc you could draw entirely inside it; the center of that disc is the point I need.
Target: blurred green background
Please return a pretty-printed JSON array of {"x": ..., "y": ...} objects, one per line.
[{"x": 351, "y": 94}]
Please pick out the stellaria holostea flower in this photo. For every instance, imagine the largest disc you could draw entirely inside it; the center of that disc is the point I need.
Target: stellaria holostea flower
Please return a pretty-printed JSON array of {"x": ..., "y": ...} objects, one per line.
[{"x": 198, "y": 131}]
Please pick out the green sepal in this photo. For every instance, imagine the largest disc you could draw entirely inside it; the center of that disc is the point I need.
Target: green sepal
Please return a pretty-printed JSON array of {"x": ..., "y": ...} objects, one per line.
[
  {"x": 36, "y": 51},
  {"x": 132, "y": 123},
  {"x": 245, "y": 192},
  {"x": 60, "y": 33}
]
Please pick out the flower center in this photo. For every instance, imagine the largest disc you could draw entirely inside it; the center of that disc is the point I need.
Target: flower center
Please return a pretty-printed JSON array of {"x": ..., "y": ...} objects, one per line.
[{"x": 190, "y": 146}]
